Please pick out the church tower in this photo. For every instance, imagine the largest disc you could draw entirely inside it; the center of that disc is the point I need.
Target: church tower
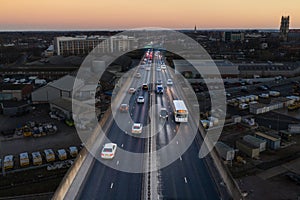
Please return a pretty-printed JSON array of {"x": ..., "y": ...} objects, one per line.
[{"x": 284, "y": 27}]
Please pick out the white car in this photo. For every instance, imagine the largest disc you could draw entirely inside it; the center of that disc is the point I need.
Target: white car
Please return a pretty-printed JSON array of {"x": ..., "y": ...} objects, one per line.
[
  {"x": 131, "y": 91},
  {"x": 138, "y": 75},
  {"x": 137, "y": 128},
  {"x": 109, "y": 151},
  {"x": 264, "y": 95},
  {"x": 169, "y": 82},
  {"x": 163, "y": 67},
  {"x": 158, "y": 69},
  {"x": 140, "y": 99}
]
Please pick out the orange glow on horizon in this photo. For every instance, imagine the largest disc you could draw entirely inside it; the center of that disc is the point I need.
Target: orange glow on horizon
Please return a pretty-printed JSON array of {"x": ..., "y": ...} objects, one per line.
[{"x": 120, "y": 14}]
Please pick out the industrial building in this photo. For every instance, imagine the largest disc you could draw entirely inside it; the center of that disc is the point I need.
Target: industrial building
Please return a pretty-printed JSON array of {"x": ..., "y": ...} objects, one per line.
[
  {"x": 82, "y": 45},
  {"x": 69, "y": 108},
  {"x": 14, "y": 108},
  {"x": 226, "y": 68},
  {"x": 273, "y": 141},
  {"x": 63, "y": 106},
  {"x": 15, "y": 91},
  {"x": 62, "y": 87},
  {"x": 269, "y": 69},
  {"x": 225, "y": 151},
  {"x": 280, "y": 102},
  {"x": 229, "y": 36},
  {"x": 247, "y": 148},
  {"x": 256, "y": 142},
  {"x": 294, "y": 128}
]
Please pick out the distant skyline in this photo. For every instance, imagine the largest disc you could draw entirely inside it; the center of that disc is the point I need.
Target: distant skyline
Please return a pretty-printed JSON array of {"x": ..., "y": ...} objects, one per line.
[{"x": 121, "y": 14}]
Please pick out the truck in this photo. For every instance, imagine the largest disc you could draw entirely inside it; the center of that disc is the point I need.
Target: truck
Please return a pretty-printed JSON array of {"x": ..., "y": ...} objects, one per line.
[
  {"x": 36, "y": 158},
  {"x": 49, "y": 155},
  {"x": 40, "y": 81},
  {"x": 274, "y": 93},
  {"x": 24, "y": 159},
  {"x": 159, "y": 89},
  {"x": 8, "y": 162},
  {"x": 62, "y": 154}
]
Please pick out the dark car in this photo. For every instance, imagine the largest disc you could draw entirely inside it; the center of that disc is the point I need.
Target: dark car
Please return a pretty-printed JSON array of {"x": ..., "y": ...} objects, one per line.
[
  {"x": 163, "y": 113},
  {"x": 145, "y": 86}
]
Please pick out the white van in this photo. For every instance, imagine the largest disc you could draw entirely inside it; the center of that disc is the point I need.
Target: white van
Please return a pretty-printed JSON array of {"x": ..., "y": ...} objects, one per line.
[{"x": 243, "y": 106}]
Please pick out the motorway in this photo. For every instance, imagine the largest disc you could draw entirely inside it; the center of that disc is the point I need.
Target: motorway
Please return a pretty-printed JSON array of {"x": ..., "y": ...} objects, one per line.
[{"x": 187, "y": 178}]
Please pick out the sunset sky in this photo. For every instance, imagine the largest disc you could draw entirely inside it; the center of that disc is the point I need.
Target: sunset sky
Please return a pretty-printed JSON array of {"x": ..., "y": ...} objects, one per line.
[{"x": 123, "y": 14}]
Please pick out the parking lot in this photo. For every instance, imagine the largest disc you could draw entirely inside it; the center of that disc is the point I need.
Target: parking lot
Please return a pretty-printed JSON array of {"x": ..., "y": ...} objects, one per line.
[{"x": 66, "y": 136}]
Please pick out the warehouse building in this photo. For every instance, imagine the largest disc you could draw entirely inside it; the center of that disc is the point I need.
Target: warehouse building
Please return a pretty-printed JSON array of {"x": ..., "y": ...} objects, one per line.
[
  {"x": 294, "y": 128},
  {"x": 225, "y": 151},
  {"x": 273, "y": 141},
  {"x": 256, "y": 142},
  {"x": 247, "y": 148},
  {"x": 15, "y": 91},
  {"x": 279, "y": 102},
  {"x": 226, "y": 68},
  {"x": 64, "y": 107},
  {"x": 14, "y": 108},
  {"x": 62, "y": 87}
]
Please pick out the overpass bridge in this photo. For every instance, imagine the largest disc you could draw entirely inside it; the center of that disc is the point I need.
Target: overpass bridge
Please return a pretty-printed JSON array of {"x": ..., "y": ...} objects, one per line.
[{"x": 188, "y": 177}]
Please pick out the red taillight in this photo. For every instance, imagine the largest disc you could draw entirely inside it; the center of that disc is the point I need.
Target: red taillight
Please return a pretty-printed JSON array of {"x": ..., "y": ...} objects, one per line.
[{"x": 111, "y": 154}]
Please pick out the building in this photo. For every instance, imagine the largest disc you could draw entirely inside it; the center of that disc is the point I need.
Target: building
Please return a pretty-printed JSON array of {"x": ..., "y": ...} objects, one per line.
[
  {"x": 294, "y": 128},
  {"x": 226, "y": 68},
  {"x": 273, "y": 141},
  {"x": 82, "y": 45},
  {"x": 247, "y": 148},
  {"x": 284, "y": 27},
  {"x": 15, "y": 91},
  {"x": 62, "y": 87},
  {"x": 225, "y": 151},
  {"x": 269, "y": 69},
  {"x": 256, "y": 142},
  {"x": 72, "y": 109},
  {"x": 233, "y": 36},
  {"x": 62, "y": 106},
  {"x": 279, "y": 102},
  {"x": 15, "y": 108}
]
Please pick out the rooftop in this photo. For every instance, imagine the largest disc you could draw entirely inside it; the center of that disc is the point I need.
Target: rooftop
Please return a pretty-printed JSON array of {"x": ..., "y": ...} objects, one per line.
[
  {"x": 269, "y": 136},
  {"x": 223, "y": 147},
  {"x": 65, "y": 83}
]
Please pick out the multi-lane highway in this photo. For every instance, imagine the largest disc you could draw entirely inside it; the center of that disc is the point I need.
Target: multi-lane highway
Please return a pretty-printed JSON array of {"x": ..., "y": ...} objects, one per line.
[{"x": 187, "y": 178}]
